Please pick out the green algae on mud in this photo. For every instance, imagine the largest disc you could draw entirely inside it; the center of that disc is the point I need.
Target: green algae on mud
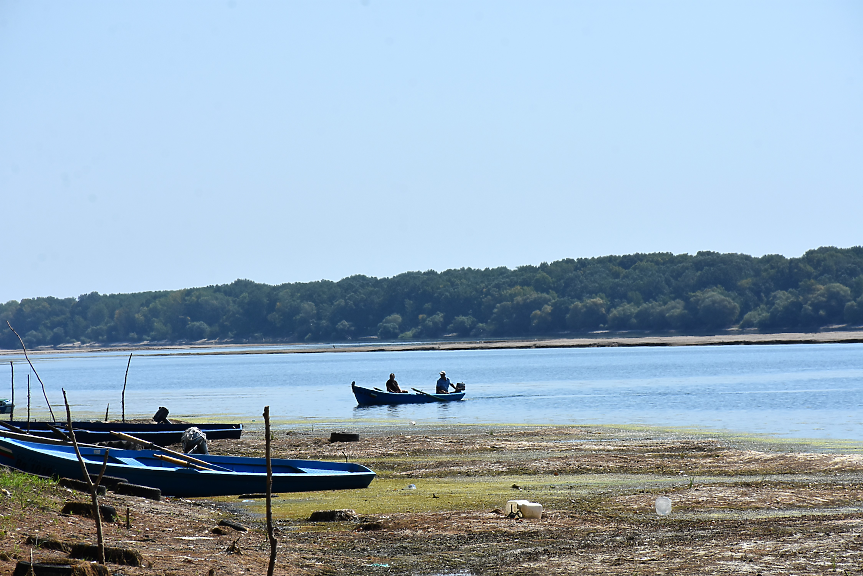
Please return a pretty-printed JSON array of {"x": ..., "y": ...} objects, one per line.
[
  {"x": 576, "y": 493},
  {"x": 470, "y": 467},
  {"x": 476, "y": 493}
]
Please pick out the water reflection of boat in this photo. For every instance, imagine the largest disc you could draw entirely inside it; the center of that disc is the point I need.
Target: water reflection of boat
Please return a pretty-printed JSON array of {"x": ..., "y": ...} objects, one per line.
[
  {"x": 215, "y": 476},
  {"x": 375, "y": 397}
]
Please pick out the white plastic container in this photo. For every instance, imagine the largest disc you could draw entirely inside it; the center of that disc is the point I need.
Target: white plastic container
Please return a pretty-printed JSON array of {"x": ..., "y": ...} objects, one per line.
[
  {"x": 530, "y": 510},
  {"x": 512, "y": 506}
]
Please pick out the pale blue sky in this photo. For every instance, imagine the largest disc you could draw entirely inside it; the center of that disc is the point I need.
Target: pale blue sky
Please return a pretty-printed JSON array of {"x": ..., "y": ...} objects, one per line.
[{"x": 161, "y": 145}]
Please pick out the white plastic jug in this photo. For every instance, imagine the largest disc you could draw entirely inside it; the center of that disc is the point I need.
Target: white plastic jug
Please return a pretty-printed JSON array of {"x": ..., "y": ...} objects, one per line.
[{"x": 531, "y": 510}]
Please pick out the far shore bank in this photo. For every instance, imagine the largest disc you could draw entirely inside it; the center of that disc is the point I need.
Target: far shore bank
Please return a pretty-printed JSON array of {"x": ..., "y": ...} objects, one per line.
[{"x": 597, "y": 341}]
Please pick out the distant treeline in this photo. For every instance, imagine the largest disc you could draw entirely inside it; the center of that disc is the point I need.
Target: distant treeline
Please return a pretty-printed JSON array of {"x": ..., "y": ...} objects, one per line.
[{"x": 652, "y": 292}]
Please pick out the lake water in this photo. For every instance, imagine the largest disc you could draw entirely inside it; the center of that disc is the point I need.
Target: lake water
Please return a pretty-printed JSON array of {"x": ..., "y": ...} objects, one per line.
[{"x": 799, "y": 391}]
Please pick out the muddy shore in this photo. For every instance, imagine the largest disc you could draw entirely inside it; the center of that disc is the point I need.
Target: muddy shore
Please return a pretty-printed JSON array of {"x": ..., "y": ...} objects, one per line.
[{"x": 739, "y": 505}]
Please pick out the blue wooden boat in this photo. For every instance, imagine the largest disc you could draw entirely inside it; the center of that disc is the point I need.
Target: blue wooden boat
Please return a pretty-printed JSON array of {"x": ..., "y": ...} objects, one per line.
[
  {"x": 5, "y": 406},
  {"x": 161, "y": 434},
  {"x": 373, "y": 397},
  {"x": 230, "y": 475}
]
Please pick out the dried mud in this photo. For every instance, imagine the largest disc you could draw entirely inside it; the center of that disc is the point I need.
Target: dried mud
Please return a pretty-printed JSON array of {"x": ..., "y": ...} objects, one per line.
[{"x": 740, "y": 506}]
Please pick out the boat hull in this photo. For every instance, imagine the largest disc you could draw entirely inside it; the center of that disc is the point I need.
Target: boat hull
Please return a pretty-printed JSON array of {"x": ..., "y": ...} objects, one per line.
[
  {"x": 371, "y": 397},
  {"x": 246, "y": 475},
  {"x": 159, "y": 434}
]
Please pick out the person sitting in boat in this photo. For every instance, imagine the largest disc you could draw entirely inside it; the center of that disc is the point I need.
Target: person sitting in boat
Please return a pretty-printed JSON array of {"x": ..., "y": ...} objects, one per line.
[
  {"x": 443, "y": 384},
  {"x": 393, "y": 386}
]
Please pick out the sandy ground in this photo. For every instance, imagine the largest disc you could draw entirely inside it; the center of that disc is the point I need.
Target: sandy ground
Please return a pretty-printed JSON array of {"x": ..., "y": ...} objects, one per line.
[
  {"x": 594, "y": 340},
  {"x": 739, "y": 506}
]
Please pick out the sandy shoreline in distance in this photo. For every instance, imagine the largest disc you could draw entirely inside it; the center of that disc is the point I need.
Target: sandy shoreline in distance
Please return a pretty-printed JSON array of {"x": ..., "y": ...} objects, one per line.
[{"x": 598, "y": 341}]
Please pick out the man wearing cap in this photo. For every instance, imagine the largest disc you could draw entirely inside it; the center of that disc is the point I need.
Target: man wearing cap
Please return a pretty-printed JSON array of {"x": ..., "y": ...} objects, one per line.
[
  {"x": 443, "y": 384},
  {"x": 393, "y": 386}
]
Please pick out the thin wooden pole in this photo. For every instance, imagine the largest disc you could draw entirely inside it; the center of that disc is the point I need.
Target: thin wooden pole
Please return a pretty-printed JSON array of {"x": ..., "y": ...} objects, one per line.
[
  {"x": 11, "y": 427},
  {"x": 34, "y": 370},
  {"x": 100, "y": 544},
  {"x": 28, "y": 403},
  {"x": 108, "y": 407},
  {"x": 12, "y": 409},
  {"x": 270, "y": 535},
  {"x": 123, "y": 396}
]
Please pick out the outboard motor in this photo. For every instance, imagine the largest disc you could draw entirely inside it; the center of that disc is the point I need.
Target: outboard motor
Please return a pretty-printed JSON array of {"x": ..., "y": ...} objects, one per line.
[
  {"x": 194, "y": 441},
  {"x": 161, "y": 416},
  {"x": 459, "y": 386}
]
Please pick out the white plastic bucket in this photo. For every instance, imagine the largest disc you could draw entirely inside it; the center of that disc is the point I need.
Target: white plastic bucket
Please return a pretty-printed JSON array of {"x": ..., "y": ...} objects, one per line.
[{"x": 512, "y": 506}]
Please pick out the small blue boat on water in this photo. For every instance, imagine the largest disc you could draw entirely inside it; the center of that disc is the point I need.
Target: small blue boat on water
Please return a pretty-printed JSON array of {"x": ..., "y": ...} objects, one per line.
[
  {"x": 375, "y": 397},
  {"x": 218, "y": 476}
]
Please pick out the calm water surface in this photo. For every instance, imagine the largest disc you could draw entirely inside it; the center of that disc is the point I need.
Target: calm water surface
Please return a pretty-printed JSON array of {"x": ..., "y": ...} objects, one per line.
[{"x": 804, "y": 391}]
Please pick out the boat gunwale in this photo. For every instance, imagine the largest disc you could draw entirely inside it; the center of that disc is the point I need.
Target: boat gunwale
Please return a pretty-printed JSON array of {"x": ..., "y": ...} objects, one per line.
[{"x": 65, "y": 450}]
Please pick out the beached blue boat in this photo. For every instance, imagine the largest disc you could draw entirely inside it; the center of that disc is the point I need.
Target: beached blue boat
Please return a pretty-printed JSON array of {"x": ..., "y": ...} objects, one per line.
[
  {"x": 228, "y": 476},
  {"x": 373, "y": 397},
  {"x": 98, "y": 431},
  {"x": 5, "y": 406}
]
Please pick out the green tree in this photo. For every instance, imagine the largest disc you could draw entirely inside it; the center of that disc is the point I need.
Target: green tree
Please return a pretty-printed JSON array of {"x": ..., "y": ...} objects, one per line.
[
  {"x": 784, "y": 310},
  {"x": 714, "y": 310},
  {"x": 587, "y": 315},
  {"x": 828, "y": 303},
  {"x": 541, "y": 320},
  {"x": 462, "y": 325},
  {"x": 853, "y": 313},
  {"x": 197, "y": 330},
  {"x": 431, "y": 326},
  {"x": 677, "y": 317},
  {"x": 389, "y": 328},
  {"x": 755, "y": 318},
  {"x": 622, "y": 317}
]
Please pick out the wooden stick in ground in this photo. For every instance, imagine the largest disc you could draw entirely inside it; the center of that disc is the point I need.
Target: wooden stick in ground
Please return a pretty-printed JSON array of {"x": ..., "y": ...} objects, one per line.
[
  {"x": 12, "y": 408},
  {"x": 28, "y": 403},
  {"x": 123, "y": 395},
  {"x": 186, "y": 457},
  {"x": 93, "y": 494},
  {"x": 102, "y": 471},
  {"x": 270, "y": 535},
  {"x": 34, "y": 370}
]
